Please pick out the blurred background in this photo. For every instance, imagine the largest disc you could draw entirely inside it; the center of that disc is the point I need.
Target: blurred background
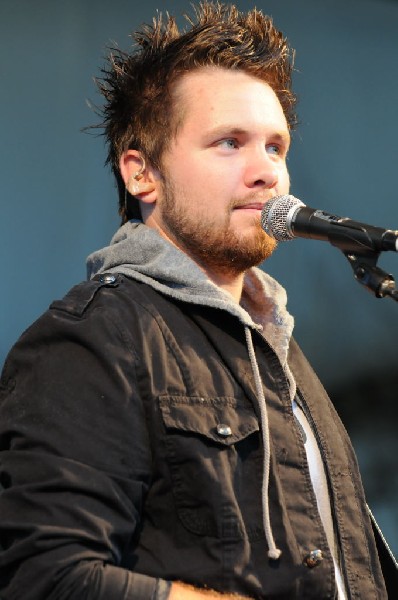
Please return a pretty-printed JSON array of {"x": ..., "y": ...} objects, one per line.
[{"x": 58, "y": 200}]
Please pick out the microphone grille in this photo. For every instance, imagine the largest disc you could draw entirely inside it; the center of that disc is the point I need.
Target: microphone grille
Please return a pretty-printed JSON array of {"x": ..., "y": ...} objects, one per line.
[{"x": 277, "y": 215}]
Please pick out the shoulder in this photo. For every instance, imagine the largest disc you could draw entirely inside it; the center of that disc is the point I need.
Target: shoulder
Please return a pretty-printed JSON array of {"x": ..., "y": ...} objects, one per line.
[
  {"x": 112, "y": 293},
  {"x": 91, "y": 313},
  {"x": 82, "y": 296}
]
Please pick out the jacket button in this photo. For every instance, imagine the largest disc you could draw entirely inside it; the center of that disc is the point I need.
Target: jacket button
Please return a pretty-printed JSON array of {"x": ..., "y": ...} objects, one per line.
[
  {"x": 107, "y": 278},
  {"x": 224, "y": 430},
  {"x": 313, "y": 558}
]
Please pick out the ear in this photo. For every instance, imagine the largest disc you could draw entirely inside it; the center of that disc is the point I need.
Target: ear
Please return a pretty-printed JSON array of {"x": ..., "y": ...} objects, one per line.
[{"x": 141, "y": 180}]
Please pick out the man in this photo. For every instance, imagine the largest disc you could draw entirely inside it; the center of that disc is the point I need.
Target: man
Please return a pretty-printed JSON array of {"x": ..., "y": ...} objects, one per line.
[{"x": 162, "y": 435}]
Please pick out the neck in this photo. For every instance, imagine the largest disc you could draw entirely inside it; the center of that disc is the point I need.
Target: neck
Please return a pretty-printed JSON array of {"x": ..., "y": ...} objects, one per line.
[
  {"x": 233, "y": 284},
  {"x": 227, "y": 281}
]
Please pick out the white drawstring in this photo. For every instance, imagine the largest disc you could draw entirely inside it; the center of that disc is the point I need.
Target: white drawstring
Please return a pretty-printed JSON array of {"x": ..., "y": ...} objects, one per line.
[{"x": 273, "y": 552}]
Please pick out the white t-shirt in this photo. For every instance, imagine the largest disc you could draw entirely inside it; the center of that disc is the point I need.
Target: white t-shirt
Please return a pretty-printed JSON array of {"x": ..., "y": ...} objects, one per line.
[{"x": 319, "y": 483}]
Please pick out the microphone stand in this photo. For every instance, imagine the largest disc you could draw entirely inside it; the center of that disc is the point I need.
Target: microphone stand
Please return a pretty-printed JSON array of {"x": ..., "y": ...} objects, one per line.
[
  {"x": 382, "y": 284},
  {"x": 366, "y": 272},
  {"x": 359, "y": 249}
]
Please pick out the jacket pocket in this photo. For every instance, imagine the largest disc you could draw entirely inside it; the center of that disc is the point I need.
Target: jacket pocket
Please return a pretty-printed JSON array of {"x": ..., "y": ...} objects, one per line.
[{"x": 213, "y": 452}]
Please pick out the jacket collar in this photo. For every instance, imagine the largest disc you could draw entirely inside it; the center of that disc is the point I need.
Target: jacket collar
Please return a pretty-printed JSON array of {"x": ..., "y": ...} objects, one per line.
[{"x": 139, "y": 252}]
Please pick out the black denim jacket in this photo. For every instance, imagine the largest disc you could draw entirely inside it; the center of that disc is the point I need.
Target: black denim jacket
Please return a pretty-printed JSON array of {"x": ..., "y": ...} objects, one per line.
[{"x": 116, "y": 475}]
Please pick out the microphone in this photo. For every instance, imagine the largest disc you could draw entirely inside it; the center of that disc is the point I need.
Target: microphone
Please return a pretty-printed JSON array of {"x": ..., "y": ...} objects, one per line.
[{"x": 286, "y": 217}]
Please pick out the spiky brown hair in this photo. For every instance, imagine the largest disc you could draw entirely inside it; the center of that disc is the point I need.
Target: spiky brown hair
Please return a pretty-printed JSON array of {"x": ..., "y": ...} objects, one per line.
[{"x": 139, "y": 110}]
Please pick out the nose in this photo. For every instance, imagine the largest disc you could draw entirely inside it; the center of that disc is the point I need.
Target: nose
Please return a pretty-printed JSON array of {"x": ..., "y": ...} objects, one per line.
[{"x": 261, "y": 171}]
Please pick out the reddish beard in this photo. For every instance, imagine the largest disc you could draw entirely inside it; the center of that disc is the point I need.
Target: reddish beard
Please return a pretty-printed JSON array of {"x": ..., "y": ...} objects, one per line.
[{"x": 213, "y": 246}]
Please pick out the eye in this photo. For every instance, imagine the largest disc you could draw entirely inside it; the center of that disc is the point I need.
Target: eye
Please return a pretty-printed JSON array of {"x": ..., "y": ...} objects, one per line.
[
  {"x": 274, "y": 149},
  {"x": 228, "y": 143}
]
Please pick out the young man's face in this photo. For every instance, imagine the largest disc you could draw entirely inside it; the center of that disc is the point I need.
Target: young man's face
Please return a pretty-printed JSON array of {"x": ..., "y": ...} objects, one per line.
[{"x": 227, "y": 160}]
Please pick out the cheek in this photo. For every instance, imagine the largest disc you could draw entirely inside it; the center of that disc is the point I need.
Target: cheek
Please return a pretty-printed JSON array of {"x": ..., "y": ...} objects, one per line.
[
  {"x": 194, "y": 178},
  {"x": 224, "y": 178},
  {"x": 213, "y": 186},
  {"x": 284, "y": 180}
]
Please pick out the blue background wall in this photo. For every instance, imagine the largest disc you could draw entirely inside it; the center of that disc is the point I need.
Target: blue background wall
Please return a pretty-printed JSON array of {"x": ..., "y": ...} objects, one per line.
[{"x": 58, "y": 201}]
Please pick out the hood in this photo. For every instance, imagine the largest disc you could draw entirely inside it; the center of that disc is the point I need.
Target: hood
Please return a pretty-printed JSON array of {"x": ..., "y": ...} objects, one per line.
[{"x": 141, "y": 253}]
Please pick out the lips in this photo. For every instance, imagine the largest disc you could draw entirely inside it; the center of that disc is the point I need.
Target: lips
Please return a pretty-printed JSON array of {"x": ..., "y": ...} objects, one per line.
[{"x": 250, "y": 206}]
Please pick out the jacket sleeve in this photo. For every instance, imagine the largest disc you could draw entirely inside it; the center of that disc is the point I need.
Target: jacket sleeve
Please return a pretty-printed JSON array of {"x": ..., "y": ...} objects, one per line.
[{"x": 74, "y": 462}]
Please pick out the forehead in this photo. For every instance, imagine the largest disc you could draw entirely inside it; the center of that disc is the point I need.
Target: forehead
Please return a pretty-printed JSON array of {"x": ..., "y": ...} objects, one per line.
[{"x": 211, "y": 96}]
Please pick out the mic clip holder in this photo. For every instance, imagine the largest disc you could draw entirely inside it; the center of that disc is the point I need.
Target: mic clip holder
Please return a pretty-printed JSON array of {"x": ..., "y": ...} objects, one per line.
[{"x": 366, "y": 272}]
